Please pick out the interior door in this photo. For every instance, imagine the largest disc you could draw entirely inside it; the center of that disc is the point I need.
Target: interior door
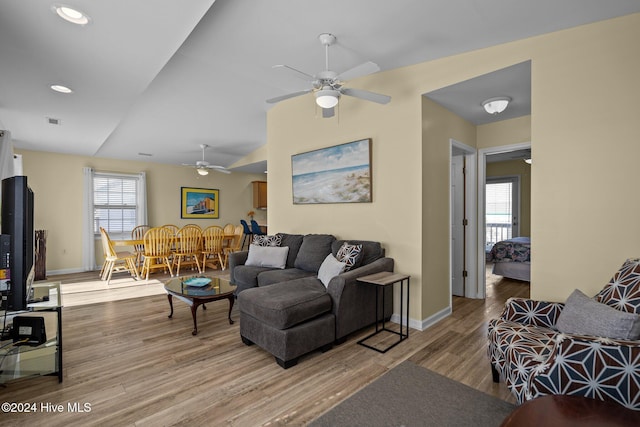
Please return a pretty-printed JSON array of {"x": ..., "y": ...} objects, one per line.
[{"x": 457, "y": 227}]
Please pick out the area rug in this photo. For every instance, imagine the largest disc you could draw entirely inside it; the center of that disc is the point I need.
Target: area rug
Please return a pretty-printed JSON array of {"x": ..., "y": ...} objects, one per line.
[{"x": 409, "y": 395}]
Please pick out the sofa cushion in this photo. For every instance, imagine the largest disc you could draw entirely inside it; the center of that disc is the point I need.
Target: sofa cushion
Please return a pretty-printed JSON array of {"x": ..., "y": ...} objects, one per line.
[
  {"x": 623, "y": 290},
  {"x": 247, "y": 275},
  {"x": 270, "y": 277},
  {"x": 329, "y": 269},
  {"x": 313, "y": 251},
  {"x": 293, "y": 242},
  {"x": 267, "y": 256},
  {"x": 585, "y": 316},
  {"x": 266, "y": 240},
  {"x": 371, "y": 251},
  {"x": 287, "y": 304},
  {"x": 351, "y": 255}
]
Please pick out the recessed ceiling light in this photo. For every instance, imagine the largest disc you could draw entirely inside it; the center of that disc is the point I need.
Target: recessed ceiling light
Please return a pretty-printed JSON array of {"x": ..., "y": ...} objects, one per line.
[
  {"x": 71, "y": 15},
  {"x": 61, "y": 89}
]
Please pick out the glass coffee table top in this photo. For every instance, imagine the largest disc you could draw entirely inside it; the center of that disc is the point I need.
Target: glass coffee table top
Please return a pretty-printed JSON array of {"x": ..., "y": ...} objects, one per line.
[{"x": 196, "y": 286}]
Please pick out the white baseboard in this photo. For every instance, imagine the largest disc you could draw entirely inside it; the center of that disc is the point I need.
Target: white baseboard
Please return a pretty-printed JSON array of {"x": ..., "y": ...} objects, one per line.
[
  {"x": 426, "y": 323},
  {"x": 69, "y": 271}
]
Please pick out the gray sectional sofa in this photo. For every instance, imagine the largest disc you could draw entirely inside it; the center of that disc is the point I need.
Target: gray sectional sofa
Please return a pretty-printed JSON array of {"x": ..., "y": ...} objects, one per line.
[{"x": 290, "y": 312}]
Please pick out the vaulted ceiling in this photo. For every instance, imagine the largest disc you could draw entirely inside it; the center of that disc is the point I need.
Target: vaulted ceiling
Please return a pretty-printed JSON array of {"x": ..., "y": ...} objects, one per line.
[{"x": 154, "y": 79}]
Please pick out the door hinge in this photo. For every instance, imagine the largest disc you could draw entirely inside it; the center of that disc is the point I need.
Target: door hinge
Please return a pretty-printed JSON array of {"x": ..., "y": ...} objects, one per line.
[
  {"x": 465, "y": 222},
  {"x": 465, "y": 273}
]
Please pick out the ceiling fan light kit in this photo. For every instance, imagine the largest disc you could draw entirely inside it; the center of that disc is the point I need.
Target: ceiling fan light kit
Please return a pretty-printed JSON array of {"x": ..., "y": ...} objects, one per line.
[
  {"x": 327, "y": 97},
  {"x": 202, "y": 166},
  {"x": 496, "y": 105},
  {"x": 327, "y": 85}
]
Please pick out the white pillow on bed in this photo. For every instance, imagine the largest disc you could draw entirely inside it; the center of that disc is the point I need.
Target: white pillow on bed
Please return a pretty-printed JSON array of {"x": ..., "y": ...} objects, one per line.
[{"x": 267, "y": 256}]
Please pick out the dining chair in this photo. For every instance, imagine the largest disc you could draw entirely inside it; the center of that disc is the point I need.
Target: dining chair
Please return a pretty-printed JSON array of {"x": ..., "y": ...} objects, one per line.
[
  {"x": 173, "y": 229},
  {"x": 157, "y": 250},
  {"x": 138, "y": 234},
  {"x": 188, "y": 247},
  {"x": 247, "y": 232},
  {"x": 115, "y": 261},
  {"x": 234, "y": 246},
  {"x": 255, "y": 229},
  {"x": 212, "y": 251},
  {"x": 229, "y": 228}
]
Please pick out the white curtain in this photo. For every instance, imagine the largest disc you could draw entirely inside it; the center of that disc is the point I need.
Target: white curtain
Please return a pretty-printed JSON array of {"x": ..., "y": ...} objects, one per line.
[
  {"x": 88, "y": 238},
  {"x": 6, "y": 155},
  {"x": 141, "y": 213}
]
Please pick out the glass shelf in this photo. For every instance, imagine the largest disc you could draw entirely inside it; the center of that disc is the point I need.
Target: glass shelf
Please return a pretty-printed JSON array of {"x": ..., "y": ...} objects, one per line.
[{"x": 18, "y": 361}]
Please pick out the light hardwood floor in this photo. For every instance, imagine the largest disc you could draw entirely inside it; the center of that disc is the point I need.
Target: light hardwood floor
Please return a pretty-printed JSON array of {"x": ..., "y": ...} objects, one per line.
[{"x": 134, "y": 366}]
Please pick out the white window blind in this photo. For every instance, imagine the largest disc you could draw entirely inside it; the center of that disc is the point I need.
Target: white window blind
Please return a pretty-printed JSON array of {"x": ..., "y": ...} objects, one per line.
[
  {"x": 499, "y": 203},
  {"x": 115, "y": 203}
]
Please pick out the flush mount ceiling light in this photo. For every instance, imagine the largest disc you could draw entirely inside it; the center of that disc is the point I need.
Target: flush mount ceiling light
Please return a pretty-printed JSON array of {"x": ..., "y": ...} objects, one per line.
[
  {"x": 70, "y": 14},
  {"x": 327, "y": 97},
  {"x": 527, "y": 161},
  {"x": 496, "y": 105},
  {"x": 202, "y": 171},
  {"x": 61, "y": 88}
]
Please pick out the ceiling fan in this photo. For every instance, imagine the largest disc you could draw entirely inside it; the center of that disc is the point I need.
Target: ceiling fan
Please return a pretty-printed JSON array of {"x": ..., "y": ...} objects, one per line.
[
  {"x": 202, "y": 166},
  {"x": 328, "y": 85}
]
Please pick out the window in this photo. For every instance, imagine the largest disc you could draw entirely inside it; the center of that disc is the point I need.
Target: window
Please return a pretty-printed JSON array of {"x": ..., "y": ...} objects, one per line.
[
  {"x": 115, "y": 203},
  {"x": 501, "y": 209}
]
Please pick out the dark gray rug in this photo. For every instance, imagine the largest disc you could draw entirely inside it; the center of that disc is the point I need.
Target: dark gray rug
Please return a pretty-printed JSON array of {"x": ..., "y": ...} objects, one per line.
[{"x": 409, "y": 395}]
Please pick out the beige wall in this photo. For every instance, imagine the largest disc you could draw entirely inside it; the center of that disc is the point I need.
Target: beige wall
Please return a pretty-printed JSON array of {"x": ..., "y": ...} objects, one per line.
[
  {"x": 584, "y": 113},
  {"x": 57, "y": 182}
]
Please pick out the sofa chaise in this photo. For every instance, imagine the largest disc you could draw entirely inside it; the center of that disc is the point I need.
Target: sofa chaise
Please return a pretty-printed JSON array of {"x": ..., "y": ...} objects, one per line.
[
  {"x": 294, "y": 298},
  {"x": 585, "y": 346}
]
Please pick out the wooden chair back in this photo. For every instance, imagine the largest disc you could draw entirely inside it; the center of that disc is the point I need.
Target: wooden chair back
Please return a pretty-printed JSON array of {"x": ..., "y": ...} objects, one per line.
[
  {"x": 189, "y": 239},
  {"x": 158, "y": 242},
  {"x": 229, "y": 228}
]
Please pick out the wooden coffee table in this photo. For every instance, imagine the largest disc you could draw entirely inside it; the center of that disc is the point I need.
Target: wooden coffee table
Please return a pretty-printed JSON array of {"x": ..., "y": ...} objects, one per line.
[
  {"x": 195, "y": 296},
  {"x": 575, "y": 411}
]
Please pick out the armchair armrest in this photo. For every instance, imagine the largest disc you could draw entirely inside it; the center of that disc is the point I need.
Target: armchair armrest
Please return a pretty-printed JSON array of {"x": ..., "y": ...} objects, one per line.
[
  {"x": 531, "y": 312},
  {"x": 596, "y": 367}
]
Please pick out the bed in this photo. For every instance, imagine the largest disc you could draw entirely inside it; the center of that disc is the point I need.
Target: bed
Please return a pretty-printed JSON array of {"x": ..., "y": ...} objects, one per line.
[{"x": 512, "y": 258}]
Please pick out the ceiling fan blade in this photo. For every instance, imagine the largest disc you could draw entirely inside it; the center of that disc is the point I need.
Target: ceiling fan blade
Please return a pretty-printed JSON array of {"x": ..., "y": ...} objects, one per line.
[
  {"x": 287, "y": 96},
  {"x": 220, "y": 169},
  {"x": 328, "y": 112},
  {"x": 298, "y": 73},
  {"x": 366, "y": 95},
  {"x": 359, "y": 70}
]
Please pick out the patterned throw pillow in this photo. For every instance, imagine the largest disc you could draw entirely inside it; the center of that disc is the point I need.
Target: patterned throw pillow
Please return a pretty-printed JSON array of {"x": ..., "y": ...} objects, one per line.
[
  {"x": 351, "y": 255},
  {"x": 264, "y": 240},
  {"x": 623, "y": 290}
]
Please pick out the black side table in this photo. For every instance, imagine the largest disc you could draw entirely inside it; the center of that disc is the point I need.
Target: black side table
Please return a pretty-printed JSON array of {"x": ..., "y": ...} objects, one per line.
[{"x": 382, "y": 280}]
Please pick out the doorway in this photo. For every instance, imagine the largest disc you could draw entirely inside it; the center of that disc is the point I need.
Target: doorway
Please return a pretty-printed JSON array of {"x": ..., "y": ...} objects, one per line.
[{"x": 483, "y": 239}]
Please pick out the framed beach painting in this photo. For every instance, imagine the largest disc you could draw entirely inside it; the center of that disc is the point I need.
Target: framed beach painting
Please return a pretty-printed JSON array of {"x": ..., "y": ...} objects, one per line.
[
  {"x": 199, "y": 203},
  {"x": 338, "y": 174}
]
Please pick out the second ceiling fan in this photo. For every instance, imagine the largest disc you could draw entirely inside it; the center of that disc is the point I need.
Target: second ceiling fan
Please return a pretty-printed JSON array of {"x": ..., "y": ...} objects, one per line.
[{"x": 328, "y": 85}]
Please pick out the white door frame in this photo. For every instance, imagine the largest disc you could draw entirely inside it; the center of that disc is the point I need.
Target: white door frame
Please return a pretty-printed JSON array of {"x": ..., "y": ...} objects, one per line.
[
  {"x": 481, "y": 232},
  {"x": 471, "y": 234}
]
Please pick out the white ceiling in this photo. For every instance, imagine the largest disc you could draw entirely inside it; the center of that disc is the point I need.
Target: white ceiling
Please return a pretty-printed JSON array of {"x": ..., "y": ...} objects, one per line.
[{"x": 162, "y": 77}]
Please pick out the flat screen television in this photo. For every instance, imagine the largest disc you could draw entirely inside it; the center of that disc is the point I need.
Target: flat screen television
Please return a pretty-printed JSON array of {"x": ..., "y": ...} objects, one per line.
[{"x": 17, "y": 222}]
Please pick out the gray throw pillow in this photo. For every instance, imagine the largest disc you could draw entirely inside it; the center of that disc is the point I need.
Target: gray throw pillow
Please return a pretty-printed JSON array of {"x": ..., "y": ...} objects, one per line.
[
  {"x": 267, "y": 256},
  {"x": 584, "y": 316}
]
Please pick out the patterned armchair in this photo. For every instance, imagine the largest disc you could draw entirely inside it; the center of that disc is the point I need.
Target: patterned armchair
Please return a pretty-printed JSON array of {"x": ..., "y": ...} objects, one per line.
[{"x": 534, "y": 358}]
